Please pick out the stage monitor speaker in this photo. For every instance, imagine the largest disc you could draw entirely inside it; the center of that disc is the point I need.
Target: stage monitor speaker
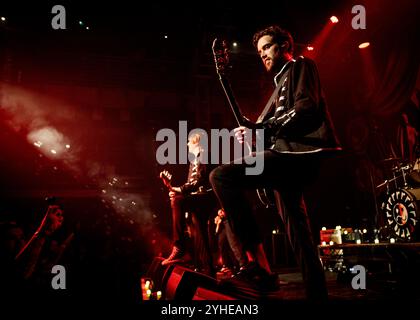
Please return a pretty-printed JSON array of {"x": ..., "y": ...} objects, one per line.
[
  {"x": 182, "y": 284},
  {"x": 207, "y": 294}
]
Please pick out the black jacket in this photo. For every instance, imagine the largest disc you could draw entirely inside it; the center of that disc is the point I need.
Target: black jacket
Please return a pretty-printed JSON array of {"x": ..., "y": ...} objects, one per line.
[
  {"x": 299, "y": 122},
  {"x": 197, "y": 178}
]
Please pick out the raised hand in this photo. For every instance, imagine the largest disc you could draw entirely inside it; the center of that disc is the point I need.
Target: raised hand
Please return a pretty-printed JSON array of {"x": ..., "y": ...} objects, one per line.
[{"x": 52, "y": 220}]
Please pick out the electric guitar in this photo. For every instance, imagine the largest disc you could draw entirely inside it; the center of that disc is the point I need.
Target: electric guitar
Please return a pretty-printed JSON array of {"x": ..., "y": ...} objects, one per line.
[{"x": 222, "y": 62}]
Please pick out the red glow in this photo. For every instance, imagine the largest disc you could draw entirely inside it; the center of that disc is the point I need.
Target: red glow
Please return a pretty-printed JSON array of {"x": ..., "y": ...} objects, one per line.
[
  {"x": 364, "y": 45},
  {"x": 319, "y": 41},
  {"x": 334, "y": 19}
]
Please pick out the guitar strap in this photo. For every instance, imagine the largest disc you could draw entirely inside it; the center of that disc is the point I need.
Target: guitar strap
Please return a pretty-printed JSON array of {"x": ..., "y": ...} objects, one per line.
[{"x": 270, "y": 102}]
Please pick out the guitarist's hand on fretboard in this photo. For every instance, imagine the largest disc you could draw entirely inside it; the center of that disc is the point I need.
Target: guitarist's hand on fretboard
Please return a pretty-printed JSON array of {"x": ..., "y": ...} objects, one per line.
[
  {"x": 167, "y": 178},
  {"x": 241, "y": 134}
]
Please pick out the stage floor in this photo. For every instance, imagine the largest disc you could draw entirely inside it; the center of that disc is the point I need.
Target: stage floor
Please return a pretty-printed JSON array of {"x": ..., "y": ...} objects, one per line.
[{"x": 388, "y": 272}]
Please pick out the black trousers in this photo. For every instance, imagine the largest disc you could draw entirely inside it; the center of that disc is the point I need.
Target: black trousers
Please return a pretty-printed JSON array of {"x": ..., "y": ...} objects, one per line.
[
  {"x": 230, "y": 247},
  {"x": 200, "y": 206},
  {"x": 288, "y": 175}
]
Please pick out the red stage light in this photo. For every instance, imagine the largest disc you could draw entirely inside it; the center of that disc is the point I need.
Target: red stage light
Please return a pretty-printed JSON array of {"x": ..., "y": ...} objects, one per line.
[
  {"x": 364, "y": 45},
  {"x": 334, "y": 19},
  {"x": 310, "y": 48}
]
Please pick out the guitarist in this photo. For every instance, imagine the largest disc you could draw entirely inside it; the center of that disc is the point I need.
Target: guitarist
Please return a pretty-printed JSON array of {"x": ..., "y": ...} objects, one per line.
[
  {"x": 300, "y": 131},
  {"x": 192, "y": 196}
]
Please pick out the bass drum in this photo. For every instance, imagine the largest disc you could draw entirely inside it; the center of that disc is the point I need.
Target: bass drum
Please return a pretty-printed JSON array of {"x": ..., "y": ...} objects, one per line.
[{"x": 401, "y": 213}]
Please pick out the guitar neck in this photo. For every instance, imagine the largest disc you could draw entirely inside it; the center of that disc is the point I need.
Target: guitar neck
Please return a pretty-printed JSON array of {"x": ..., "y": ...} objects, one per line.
[
  {"x": 232, "y": 101},
  {"x": 240, "y": 119}
]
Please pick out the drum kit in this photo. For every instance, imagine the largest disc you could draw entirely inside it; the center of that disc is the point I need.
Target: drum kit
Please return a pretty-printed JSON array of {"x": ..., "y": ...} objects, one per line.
[{"x": 401, "y": 199}]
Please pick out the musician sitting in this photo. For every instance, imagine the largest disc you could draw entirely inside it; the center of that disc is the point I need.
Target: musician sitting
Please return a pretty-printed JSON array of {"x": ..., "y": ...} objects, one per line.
[{"x": 191, "y": 197}]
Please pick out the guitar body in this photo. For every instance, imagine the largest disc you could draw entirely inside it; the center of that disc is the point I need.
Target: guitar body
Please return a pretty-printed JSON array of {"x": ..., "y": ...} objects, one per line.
[{"x": 221, "y": 59}]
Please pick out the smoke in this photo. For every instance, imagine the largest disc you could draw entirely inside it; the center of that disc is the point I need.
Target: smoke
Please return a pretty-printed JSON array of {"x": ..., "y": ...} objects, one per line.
[
  {"x": 35, "y": 114},
  {"x": 31, "y": 111},
  {"x": 39, "y": 117},
  {"x": 134, "y": 207}
]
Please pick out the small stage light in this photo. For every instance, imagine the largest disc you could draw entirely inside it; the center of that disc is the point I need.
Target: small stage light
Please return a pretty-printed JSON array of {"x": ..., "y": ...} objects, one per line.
[
  {"x": 235, "y": 44},
  {"x": 334, "y": 19},
  {"x": 53, "y": 151},
  {"x": 3, "y": 19},
  {"x": 364, "y": 45},
  {"x": 310, "y": 48}
]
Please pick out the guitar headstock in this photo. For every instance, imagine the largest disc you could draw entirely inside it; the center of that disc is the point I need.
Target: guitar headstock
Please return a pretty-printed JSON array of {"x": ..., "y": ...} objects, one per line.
[
  {"x": 166, "y": 178},
  {"x": 221, "y": 56}
]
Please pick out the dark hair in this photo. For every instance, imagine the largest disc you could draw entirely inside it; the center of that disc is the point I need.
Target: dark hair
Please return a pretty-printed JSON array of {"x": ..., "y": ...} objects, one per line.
[{"x": 279, "y": 36}]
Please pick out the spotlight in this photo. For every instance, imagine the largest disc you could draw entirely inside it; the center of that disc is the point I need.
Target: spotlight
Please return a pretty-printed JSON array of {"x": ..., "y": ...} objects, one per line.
[
  {"x": 310, "y": 48},
  {"x": 3, "y": 19},
  {"x": 334, "y": 19},
  {"x": 364, "y": 45},
  {"x": 235, "y": 44}
]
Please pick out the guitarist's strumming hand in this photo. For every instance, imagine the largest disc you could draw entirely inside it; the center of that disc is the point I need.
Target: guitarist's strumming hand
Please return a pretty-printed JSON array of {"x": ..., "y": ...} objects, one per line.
[{"x": 174, "y": 191}]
